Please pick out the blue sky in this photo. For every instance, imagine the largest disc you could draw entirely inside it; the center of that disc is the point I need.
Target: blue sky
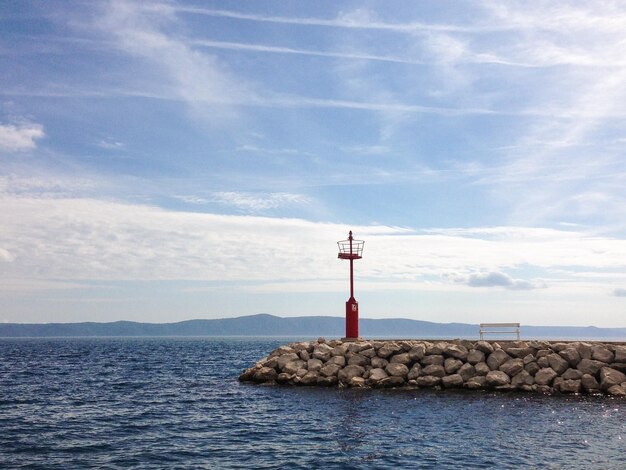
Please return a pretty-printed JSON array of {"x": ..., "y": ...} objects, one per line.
[{"x": 162, "y": 161}]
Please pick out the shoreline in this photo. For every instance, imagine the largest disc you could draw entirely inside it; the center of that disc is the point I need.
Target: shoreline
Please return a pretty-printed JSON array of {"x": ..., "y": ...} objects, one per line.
[{"x": 547, "y": 367}]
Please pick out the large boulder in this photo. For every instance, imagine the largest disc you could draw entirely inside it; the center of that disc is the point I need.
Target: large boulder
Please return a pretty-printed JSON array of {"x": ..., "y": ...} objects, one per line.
[
  {"x": 569, "y": 386},
  {"x": 532, "y": 368},
  {"x": 616, "y": 391},
  {"x": 428, "y": 381},
  {"x": 314, "y": 365},
  {"x": 415, "y": 372},
  {"x": 571, "y": 355},
  {"x": 389, "y": 348},
  {"x": 601, "y": 353},
  {"x": 434, "y": 370},
  {"x": 451, "y": 365},
  {"x": 484, "y": 346},
  {"x": 293, "y": 366},
  {"x": 339, "y": 350},
  {"x": 322, "y": 352},
  {"x": 456, "y": 351},
  {"x": 433, "y": 359},
  {"x": 265, "y": 374},
  {"x": 392, "y": 381},
  {"x": 572, "y": 374},
  {"x": 557, "y": 363},
  {"x": 496, "y": 378},
  {"x": 345, "y": 374},
  {"x": 481, "y": 368},
  {"x": 358, "y": 360},
  {"x": 417, "y": 352},
  {"x": 590, "y": 366},
  {"x": 369, "y": 352},
  {"x": 376, "y": 375},
  {"x": 589, "y": 383},
  {"x": 452, "y": 381},
  {"x": 326, "y": 381},
  {"x": 397, "y": 370},
  {"x": 475, "y": 356},
  {"x": 402, "y": 358},
  {"x": 620, "y": 353},
  {"x": 330, "y": 370},
  {"x": 467, "y": 371},
  {"x": 519, "y": 352},
  {"x": 310, "y": 378},
  {"x": 522, "y": 378},
  {"x": 512, "y": 367},
  {"x": 610, "y": 377},
  {"x": 379, "y": 362},
  {"x": 545, "y": 376},
  {"x": 497, "y": 358},
  {"x": 286, "y": 358},
  {"x": 339, "y": 360},
  {"x": 475, "y": 383}
]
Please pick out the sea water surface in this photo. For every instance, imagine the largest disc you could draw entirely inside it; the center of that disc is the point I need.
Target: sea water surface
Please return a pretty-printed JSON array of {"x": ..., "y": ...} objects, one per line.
[{"x": 176, "y": 403}]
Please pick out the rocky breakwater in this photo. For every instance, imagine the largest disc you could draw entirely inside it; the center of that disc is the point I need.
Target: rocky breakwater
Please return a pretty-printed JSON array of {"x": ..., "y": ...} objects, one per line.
[{"x": 532, "y": 366}]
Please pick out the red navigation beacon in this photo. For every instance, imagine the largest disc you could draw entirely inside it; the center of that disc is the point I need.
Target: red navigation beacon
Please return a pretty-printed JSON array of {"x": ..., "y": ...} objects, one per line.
[{"x": 351, "y": 249}]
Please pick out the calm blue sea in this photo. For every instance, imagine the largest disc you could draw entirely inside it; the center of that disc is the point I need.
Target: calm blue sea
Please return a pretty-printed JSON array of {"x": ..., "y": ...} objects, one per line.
[{"x": 176, "y": 403}]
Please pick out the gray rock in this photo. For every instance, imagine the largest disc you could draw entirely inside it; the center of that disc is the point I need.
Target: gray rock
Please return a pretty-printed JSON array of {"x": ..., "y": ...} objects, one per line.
[
  {"x": 584, "y": 349},
  {"x": 519, "y": 352},
  {"x": 456, "y": 351},
  {"x": 543, "y": 353},
  {"x": 572, "y": 374},
  {"x": 481, "y": 368},
  {"x": 543, "y": 362},
  {"x": 512, "y": 367},
  {"x": 428, "y": 381},
  {"x": 358, "y": 360},
  {"x": 590, "y": 366},
  {"x": 397, "y": 370},
  {"x": 265, "y": 374},
  {"x": 569, "y": 386},
  {"x": 435, "y": 349},
  {"x": 532, "y": 368},
  {"x": 571, "y": 355},
  {"x": 435, "y": 359},
  {"x": 284, "y": 378},
  {"x": 389, "y": 349},
  {"x": 356, "y": 382},
  {"x": 340, "y": 350},
  {"x": 281, "y": 350},
  {"x": 545, "y": 376},
  {"x": 377, "y": 375},
  {"x": 543, "y": 389},
  {"x": 451, "y": 365},
  {"x": 285, "y": 358},
  {"x": 392, "y": 381},
  {"x": 247, "y": 374},
  {"x": 293, "y": 366},
  {"x": 557, "y": 363},
  {"x": 339, "y": 360},
  {"x": 402, "y": 358},
  {"x": 301, "y": 372},
  {"x": 415, "y": 372},
  {"x": 529, "y": 358},
  {"x": 475, "y": 356},
  {"x": 522, "y": 378},
  {"x": 621, "y": 366},
  {"x": 475, "y": 383},
  {"x": 314, "y": 365},
  {"x": 600, "y": 353},
  {"x": 589, "y": 383},
  {"x": 484, "y": 346},
  {"x": 330, "y": 370},
  {"x": 452, "y": 381},
  {"x": 497, "y": 358},
  {"x": 467, "y": 371},
  {"x": 326, "y": 381},
  {"x": 345, "y": 374},
  {"x": 310, "y": 378},
  {"x": 379, "y": 362},
  {"x": 616, "y": 391},
  {"x": 304, "y": 355},
  {"x": 369, "y": 352},
  {"x": 620, "y": 354},
  {"x": 434, "y": 370},
  {"x": 417, "y": 352},
  {"x": 610, "y": 377},
  {"x": 496, "y": 378},
  {"x": 321, "y": 355},
  {"x": 321, "y": 340}
]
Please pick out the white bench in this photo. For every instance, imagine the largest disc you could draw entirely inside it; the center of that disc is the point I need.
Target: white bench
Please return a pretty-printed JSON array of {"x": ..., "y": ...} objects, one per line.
[{"x": 500, "y": 328}]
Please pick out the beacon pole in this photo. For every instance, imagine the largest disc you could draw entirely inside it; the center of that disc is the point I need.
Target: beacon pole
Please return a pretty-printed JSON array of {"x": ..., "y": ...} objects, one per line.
[{"x": 351, "y": 249}]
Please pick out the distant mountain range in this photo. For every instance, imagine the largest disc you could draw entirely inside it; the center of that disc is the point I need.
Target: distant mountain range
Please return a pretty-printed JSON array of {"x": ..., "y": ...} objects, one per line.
[{"x": 312, "y": 326}]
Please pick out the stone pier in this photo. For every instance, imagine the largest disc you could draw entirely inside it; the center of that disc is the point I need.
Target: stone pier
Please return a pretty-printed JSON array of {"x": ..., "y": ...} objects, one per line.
[{"x": 532, "y": 366}]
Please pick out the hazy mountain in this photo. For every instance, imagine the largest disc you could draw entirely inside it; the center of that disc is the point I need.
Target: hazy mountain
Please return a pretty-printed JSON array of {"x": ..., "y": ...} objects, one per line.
[{"x": 312, "y": 326}]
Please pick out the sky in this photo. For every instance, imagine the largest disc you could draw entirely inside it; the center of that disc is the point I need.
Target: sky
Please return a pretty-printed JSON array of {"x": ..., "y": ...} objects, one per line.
[{"x": 170, "y": 160}]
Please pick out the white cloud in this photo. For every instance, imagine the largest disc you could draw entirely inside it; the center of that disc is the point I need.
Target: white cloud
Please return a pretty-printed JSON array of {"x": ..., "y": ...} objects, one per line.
[
  {"x": 258, "y": 202},
  {"x": 619, "y": 292},
  {"x": 16, "y": 138},
  {"x": 499, "y": 279}
]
